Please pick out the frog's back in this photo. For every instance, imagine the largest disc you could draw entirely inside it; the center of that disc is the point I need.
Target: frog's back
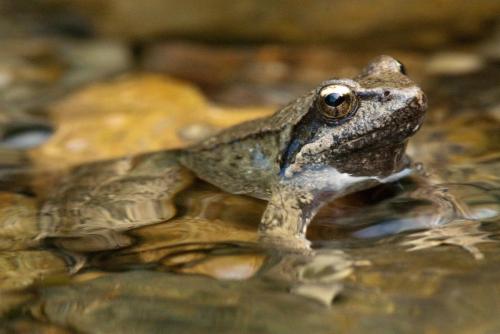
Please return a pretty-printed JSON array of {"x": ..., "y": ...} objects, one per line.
[
  {"x": 245, "y": 159},
  {"x": 281, "y": 120}
]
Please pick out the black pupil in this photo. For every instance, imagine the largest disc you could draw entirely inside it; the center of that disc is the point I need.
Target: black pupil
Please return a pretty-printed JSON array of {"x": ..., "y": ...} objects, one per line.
[{"x": 334, "y": 99}]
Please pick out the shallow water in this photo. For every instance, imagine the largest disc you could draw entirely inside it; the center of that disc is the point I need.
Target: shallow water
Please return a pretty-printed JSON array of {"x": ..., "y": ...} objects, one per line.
[
  {"x": 379, "y": 259},
  {"x": 384, "y": 260}
]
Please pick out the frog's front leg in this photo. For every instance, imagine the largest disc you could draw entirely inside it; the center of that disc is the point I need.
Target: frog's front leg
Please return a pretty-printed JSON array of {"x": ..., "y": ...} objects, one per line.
[
  {"x": 295, "y": 200},
  {"x": 288, "y": 212}
]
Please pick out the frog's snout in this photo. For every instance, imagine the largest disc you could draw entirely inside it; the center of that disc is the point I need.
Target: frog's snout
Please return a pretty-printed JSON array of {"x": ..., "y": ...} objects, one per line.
[
  {"x": 419, "y": 101},
  {"x": 414, "y": 99}
]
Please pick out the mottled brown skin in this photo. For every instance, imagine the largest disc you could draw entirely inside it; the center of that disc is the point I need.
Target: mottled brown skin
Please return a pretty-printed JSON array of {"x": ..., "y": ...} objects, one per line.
[
  {"x": 295, "y": 159},
  {"x": 281, "y": 157}
]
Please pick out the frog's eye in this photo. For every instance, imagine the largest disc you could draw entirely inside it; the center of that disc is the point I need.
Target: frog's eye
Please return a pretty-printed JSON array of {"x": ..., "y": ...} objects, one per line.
[{"x": 336, "y": 102}]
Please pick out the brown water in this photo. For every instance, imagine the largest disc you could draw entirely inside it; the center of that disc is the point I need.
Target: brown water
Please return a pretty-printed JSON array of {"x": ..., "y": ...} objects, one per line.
[{"x": 383, "y": 261}]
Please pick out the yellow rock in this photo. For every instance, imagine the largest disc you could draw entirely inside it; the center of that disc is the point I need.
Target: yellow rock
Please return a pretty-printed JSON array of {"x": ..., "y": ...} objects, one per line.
[
  {"x": 129, "y": 115},
  {"x": 230, "y": 267},
  {"x": 11, "y": 299},
  {"x": 213, "y": 218},
  {"x": 22, "y": 268},
  {"x": 183, "y": 234}
]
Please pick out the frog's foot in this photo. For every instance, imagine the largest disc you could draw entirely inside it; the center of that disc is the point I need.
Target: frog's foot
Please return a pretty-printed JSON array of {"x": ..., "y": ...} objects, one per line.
[
  {"x": 448, "y": 207},
  {"x": 466, "y": 234},
  {"x": 451, "y": 221}
]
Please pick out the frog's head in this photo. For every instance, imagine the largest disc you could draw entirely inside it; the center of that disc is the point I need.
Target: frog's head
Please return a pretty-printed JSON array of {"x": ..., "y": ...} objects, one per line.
[{"x": 359, "y": 126}]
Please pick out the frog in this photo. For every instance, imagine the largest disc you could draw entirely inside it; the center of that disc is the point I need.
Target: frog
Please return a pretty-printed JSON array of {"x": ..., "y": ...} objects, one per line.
[{"x": 343, "y": 136}]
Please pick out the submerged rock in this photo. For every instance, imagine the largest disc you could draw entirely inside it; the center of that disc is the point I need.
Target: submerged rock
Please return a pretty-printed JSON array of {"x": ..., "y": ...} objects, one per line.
[
  {"x": 146, "y": 302},
  {"x": 21, "y": 269}
]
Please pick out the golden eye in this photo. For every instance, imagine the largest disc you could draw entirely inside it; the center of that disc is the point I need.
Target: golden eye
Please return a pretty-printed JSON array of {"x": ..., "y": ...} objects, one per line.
[{"x": 336, "y": 102}]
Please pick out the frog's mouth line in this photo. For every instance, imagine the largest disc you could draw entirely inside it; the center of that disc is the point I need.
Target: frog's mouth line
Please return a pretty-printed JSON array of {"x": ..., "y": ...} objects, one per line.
[{"x": 385, "y": 139}]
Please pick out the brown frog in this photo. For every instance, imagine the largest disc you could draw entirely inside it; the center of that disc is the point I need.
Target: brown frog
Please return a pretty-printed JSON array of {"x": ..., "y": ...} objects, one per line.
[{"x": 343, "y": 136}]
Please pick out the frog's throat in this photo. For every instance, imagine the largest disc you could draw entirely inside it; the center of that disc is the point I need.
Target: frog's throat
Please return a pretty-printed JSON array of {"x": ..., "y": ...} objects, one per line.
[{"x": 374, "y": 161}]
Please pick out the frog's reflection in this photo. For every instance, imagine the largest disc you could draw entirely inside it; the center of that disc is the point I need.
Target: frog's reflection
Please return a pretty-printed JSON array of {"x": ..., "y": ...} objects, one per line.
[{"x": 214, "y": 234}]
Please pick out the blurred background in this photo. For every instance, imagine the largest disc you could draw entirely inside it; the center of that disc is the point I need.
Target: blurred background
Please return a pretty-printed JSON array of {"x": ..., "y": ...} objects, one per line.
[{"x": 238, "y": 53}]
